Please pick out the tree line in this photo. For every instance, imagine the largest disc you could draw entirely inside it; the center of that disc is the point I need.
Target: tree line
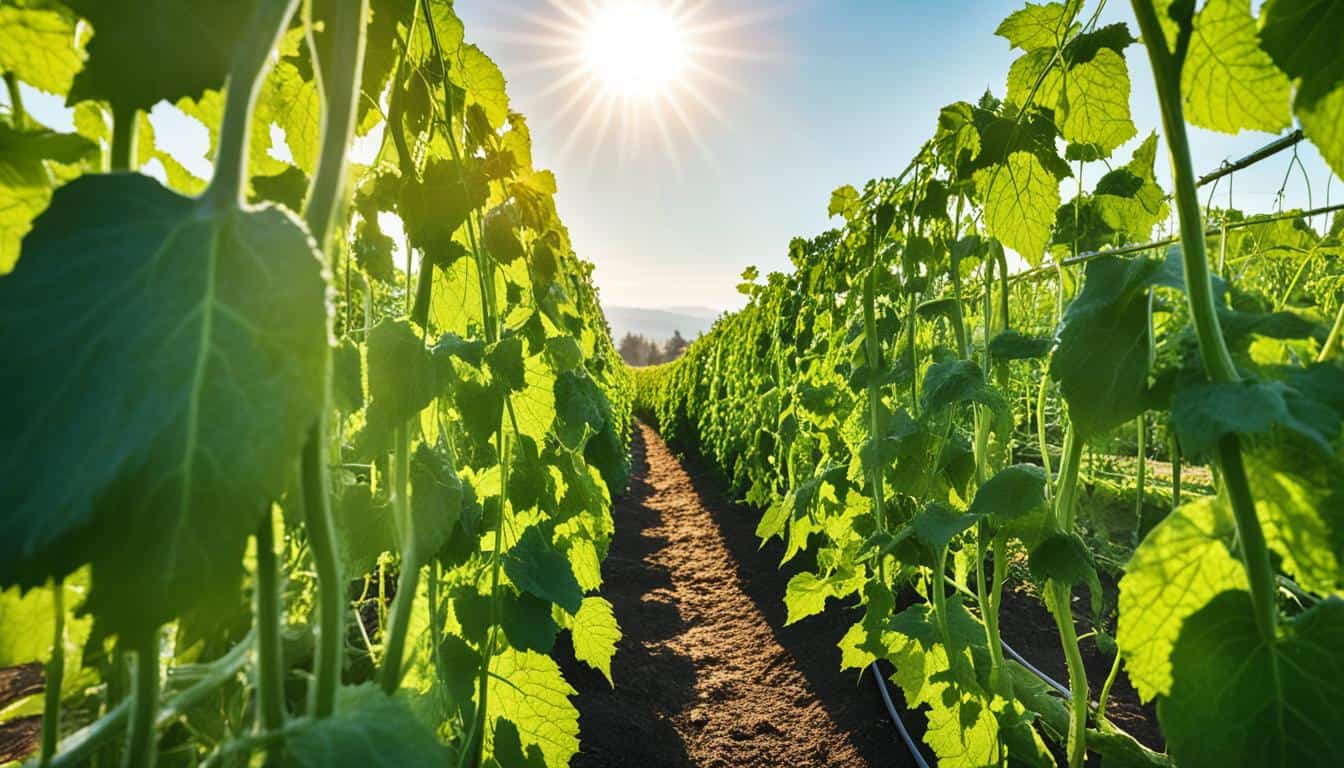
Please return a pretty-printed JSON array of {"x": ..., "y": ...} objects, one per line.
[{"x": 639, "y": 350}]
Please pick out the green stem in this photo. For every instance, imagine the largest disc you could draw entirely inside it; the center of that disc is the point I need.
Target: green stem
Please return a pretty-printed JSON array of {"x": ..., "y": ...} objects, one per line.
[
  {"x": 1332, "y": 342},
  {"x": 251, "y": 59},
  {"x": 1142, "y": 473},
  {"x": 1174, "y": 449},
  {"x": 1059, "y": 598},
  {"x": 1213, "y": 349},
  {"x": 876, "y": 429},
  {"x": 1041, "y": 400},
  {"x": 80, "y": 745},
  {"x": 269, "y": 615},
  {"x": 140, "y": 740},
  {"x": 408, "y": 579},
  {"x": 16, "y": 101},
  {"x": 1106, "y": 688},
  {"x": 338, "y": 81},
  {"x": 330, "y": 585},
  {"x": 51, "y": 704},
  {"x": 125, "y": 127}
]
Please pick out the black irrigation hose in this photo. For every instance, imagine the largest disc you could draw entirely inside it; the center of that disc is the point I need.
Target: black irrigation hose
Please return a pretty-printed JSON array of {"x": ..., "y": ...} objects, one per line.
[
  {"x": 896, "y": 717},
  {"x": 900, "y": 724}
]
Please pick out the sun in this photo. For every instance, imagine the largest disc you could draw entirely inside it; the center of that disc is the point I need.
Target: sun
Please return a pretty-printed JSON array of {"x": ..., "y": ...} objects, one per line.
[
  {"x": 638, "y": 74},
  {"x": 635, "y": 49}
]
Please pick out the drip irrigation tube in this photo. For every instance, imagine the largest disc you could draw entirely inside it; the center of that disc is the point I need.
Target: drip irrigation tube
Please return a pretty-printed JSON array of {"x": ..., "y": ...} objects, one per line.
[{"x": 896, "y": 717}]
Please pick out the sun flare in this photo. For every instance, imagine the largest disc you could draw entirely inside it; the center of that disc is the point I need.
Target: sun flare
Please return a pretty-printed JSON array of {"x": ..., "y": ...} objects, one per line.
[
  {"x": 636, "y": 49},
  {"x": 640, "y": 73}
]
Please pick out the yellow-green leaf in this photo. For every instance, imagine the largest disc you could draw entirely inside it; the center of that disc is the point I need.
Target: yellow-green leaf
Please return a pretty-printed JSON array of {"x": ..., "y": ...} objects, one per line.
[
  {"x": 1229, "y": 83},
  {"x": 1020, "y": 198},
  {"x": 1095, "y": 107},
  {"x": 1180, "y": 566}
]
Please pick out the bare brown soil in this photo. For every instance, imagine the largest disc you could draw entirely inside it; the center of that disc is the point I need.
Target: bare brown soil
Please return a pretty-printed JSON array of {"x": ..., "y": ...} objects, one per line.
[{"x": 706, "y": 673}]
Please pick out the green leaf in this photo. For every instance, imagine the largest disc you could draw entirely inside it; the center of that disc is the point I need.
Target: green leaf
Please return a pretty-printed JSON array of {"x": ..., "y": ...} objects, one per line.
[
  {"x": 506, "y": 362},
  {"x": 936, "y": 525},
  {"x": 1229, "y": 83},
  {"x": 1302, "y": 37},
  {"x": 580, "y": 408},
  {"x": 527, "y": 622},
  {"x": 528, "y": 690},
  {"x": 807, "y": 593},
  {"x": 366, "y": 528},
  {"x": 183, "y": 352},
  {"x": 1129, "y": 199},
  {"x": 1302, "y": 523},
  {"x": 294, "y": 102},
  {"x": 1012, "y": 493},
  {"x": 534, "y": 565},
  {"x": 1101, "y": 362},
  {"x": 1037, "y": 26},
  {"x": 1020, "y": 198},
  {"x": 1094, "y": 108},
  {"x": 844, "y": 202},
  {"x": 434, "y": 206},
  {"x": 595, "y": 634},
  {"x": 26, "y": 181},
  {"x": 1011, "y": 344},
  {"x": 1040, "y": 65},
  {"x": 401, "y": 379},
  {"x": 347, "y": 377},
  {"x": 1065, "y": 558},
  {"x": 1180, "y": 566},
  {"x": 369, "y": 728},
  {"x": 564, "y": 353},
  {"x": 956, "y": 381},
  {"x": 40, "y": 46},
  {"x": 436, "y": 498},
  {"x": 1204, "y": 412},
  {"x": 1322, "y": 125},
  {"x": 1237, "y": 700},
  {"x": 161, "y": 51}
]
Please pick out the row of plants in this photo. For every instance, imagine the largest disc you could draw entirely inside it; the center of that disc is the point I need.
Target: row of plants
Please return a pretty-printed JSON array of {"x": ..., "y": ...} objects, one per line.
[
  {"x": 896, "y": 404},
  {"x": 277, "y": 487}
]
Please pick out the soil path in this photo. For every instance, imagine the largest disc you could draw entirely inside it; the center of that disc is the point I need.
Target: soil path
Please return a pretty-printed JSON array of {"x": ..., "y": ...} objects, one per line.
[{"x": 706, "y": 673}]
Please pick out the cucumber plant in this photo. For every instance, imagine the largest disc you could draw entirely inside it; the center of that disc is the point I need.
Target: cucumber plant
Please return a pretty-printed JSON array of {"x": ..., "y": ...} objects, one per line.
[
  {"x": 894, "y": 404},
  {"x": 230, "y": 407}
]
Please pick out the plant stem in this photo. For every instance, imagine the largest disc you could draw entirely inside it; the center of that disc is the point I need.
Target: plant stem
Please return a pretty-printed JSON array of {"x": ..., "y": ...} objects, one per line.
[
  {"x": 876, "y": 429},
  {"x": 1213, "y": 349},
  {"x": 1059, "y": 598},
  {"x": 141, "y": 740},
  {"x": 125, "y": 127},
  {"x": 16, "y": 109},
  {"x": 1332, "y": 342},
  {"x": 51, "y": 704},
  {"x": 339, "y": 82},
  {"x": 250, "y": 61},
  {"x": 330, "y": 586},
  {"x": 79, "y": 746},
  {"x": 269, "y": 615},
  {"x": 1143, "y": 471},
  {"x": 408, "y": 579},
  {"x": 338, "y": 90},
  {"x": 1106, "y": 688}
]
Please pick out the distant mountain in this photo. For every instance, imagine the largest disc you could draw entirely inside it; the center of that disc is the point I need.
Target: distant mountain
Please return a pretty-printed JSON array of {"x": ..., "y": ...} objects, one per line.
[{"x": 658, "y": 324}]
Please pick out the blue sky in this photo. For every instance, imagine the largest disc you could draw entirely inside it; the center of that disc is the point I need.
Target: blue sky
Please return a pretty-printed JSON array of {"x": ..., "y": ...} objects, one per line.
[
  {"x": 842, "y": 91},
  {"x": 815, "y": 94}
]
